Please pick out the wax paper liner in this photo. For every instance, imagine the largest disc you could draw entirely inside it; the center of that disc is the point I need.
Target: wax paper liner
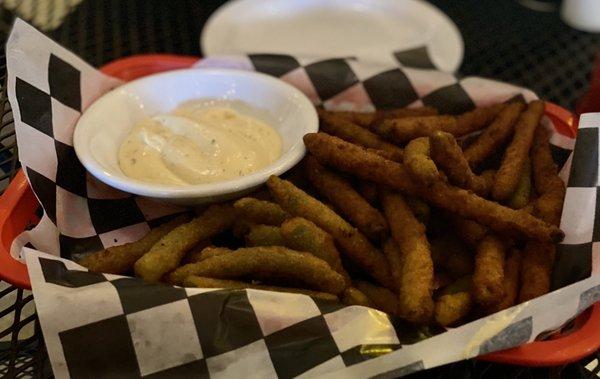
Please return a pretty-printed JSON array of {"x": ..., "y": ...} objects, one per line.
[{"x": 107, "y": 325}]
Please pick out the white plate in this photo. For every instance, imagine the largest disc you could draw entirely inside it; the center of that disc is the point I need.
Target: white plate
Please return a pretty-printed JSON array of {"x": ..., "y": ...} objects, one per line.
[
  {"x": 368, "y": 29},
  {"x": 107, "y": 122}
]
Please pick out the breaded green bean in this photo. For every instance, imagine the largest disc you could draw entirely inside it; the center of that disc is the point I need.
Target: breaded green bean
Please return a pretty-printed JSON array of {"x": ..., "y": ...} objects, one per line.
[
  {"x": 520, "y": 198},
  {"x": 359, "y": 162},
  {"x": 517, "y": 152},
  {"x": 203, "y": 282},
  {"x": 545, "y": 171},
  {"x": 344, "y": 198},
  {"x": 272, "y": 264},
  {"x": 168, "y": 252},
  {"x": 346, "y": 130},
  {"x": 351, "y": 241},
  {"x": 512, "y": 271},
  {"x": 488, "y": 277},
  {"x": 549, "y": 205},
  {"x": 536, "y": 269},
  {"x": 405, "y": 129},
  {"x": 488, "y": 177},
  {"x": 303, "y": 235},
  {"x": 418, "y": 162},
  {"x": 353, "y": 296},
  {"x": 264, "y": 235},
  {"x": 416, "y": 271},
  {"x": 208, "y": 252},
  {"x": 452, "y": 308},
  {"x": 474, "y": 120},
  {"x": 463, "y": 284},
  {"x": 393, "y": 254},
  {"x": 260, "y": 211},
  {"x": 396, "y": 157},
  {"x": 538, "y": 258},
  {"x": 380, "y": 298},
  {"x": 120, "y": 259},
  {"x": 354, "y": 160},
  {"x": 549, "y": 186},
  {"x": 495, "y": 136},
  {"x": 449, "y": 157}
]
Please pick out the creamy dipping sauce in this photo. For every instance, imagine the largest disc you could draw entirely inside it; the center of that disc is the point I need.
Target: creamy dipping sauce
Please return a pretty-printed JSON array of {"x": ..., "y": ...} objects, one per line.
[{"x": 195, "y": 144}]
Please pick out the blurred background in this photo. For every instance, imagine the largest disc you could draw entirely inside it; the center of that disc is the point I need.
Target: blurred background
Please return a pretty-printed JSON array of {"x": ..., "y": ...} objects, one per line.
[{"x": 522, "y": 42}]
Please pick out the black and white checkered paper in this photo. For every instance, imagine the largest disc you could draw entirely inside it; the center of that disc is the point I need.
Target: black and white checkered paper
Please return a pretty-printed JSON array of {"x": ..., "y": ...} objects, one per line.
[{"x": 107, "y": 325}]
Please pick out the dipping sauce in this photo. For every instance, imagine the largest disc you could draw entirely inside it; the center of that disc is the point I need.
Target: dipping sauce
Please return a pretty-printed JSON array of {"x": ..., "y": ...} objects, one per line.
[{"x": 195, "y": 144}]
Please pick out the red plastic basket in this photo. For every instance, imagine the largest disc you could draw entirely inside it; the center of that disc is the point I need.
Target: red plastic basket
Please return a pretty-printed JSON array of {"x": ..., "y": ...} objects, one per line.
[{"x": 18, "y": 207}]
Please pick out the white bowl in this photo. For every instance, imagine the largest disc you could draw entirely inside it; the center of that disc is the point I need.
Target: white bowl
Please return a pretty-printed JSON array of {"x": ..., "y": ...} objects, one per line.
[{"x": 107, "y": 122}]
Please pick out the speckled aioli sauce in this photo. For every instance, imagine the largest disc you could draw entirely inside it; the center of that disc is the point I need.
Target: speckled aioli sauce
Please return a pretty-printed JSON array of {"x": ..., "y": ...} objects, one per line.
[{"x": 196, "y": 144}]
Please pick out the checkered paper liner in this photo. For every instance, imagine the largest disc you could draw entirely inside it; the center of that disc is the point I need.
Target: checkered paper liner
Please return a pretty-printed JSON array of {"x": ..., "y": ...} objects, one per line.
[{"x": 97, "y": 324}]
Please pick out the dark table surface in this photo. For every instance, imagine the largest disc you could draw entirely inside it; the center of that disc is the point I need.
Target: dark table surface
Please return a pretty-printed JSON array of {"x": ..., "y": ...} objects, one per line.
[
  {"x": 504, "y": 40},
  {"x": 507, "y": 41}
]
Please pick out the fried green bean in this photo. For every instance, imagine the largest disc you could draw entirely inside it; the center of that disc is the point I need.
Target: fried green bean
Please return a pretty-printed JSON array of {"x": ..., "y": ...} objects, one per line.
[
  {"x": 393, "y": 255},
  {"x": 303, "y": 235},
  {"x": 266, "y": 264},
  {"x": 344, "y": 198},
  {"x": 346, "y": 130},
  {"x": 536, "y": 269},
  {"x": 120, "y": 259},
  {"x": 512, "y": 270},
  {"x": 493, "y": 137},
  {"x": 260, "y": 211},
  {"x": 418, "y": 162},
  {"x": 354, "y": 160},
  {"x": 350, "y": 240},
  {"x": 548, "y": 185},
  {"x": 452, "y": 308},
  {"x": 449, "y": 157},
  {"x": 469, "y": 231},
  {"x": 168, "y": 252},
  {"x": 195, "y": 254},
  {"x": 380, "y": 298},
  {"x": 507, "y": 176},
  {"x": 416, "y": 266},
  {"x": 488, "y": 277},
  {"x": 538, "y": 258},
  {"x": 264, "y": 235},
  {"x": 520, "y": 198},
  {"x": 405, "y": 129},
  {"x": 353, "y": 296},
  {"x": 396, "y": 157}
]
